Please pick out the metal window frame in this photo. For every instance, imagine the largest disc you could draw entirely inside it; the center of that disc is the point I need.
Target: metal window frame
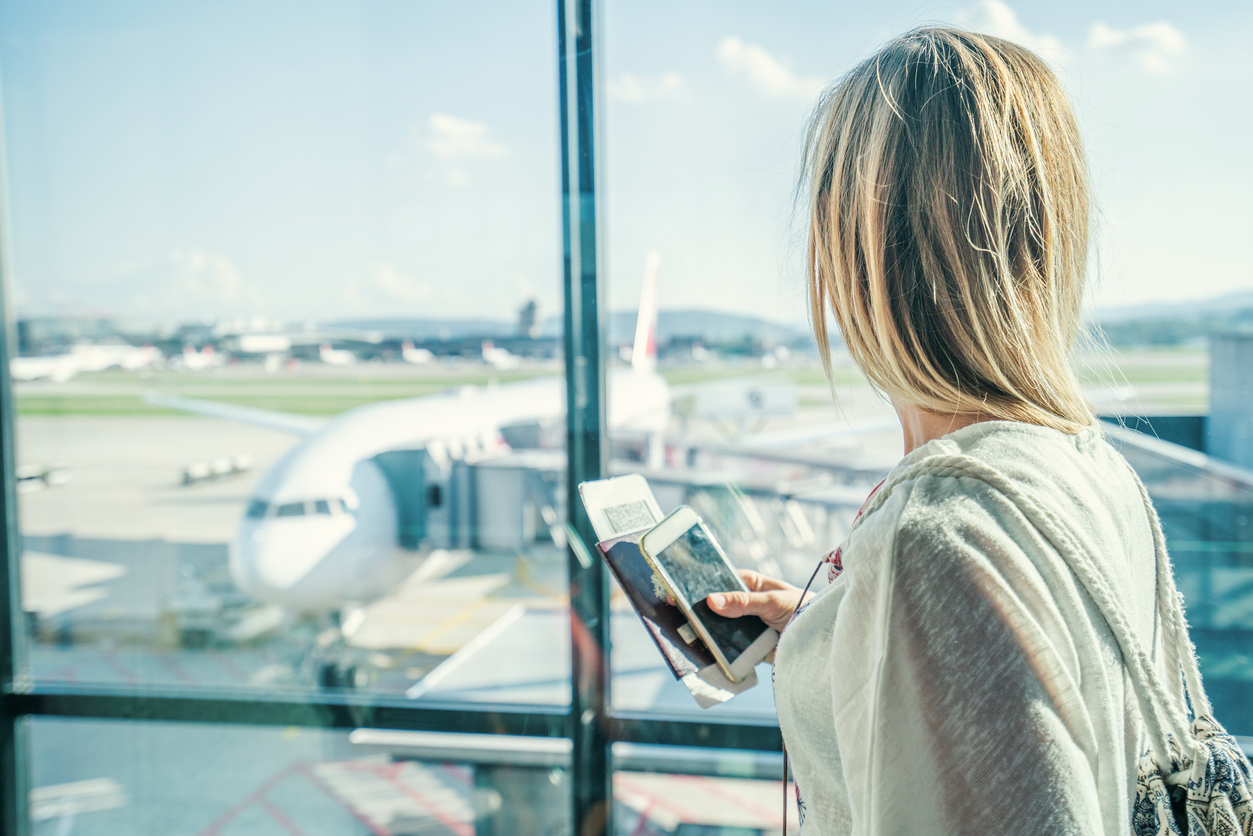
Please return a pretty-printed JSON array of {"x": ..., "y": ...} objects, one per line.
[{"x": 589, "y": 723}]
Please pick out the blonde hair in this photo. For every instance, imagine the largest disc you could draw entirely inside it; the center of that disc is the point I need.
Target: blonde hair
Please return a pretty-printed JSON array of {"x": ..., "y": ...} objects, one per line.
[{"x": 948, "y": 234}]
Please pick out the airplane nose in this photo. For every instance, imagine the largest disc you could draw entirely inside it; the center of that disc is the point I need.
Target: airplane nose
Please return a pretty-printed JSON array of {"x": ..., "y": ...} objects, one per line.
[{"x": 272, "y": 557}]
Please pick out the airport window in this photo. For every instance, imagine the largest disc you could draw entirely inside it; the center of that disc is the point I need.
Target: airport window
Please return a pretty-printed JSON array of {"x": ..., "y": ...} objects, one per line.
[{"x": 347, "y": 264}]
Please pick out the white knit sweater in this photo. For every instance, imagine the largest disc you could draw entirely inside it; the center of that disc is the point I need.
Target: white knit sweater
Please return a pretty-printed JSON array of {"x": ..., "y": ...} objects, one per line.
[{"x": 956, "y": 678}]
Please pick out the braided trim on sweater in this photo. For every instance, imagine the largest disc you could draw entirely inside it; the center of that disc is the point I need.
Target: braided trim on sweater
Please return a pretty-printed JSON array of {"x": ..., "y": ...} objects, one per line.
[{"x": 1165, "y": 716}]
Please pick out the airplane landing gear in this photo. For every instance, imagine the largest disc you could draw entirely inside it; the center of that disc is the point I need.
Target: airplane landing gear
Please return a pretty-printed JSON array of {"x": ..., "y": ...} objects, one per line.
[{"x": 341, "y": 675}]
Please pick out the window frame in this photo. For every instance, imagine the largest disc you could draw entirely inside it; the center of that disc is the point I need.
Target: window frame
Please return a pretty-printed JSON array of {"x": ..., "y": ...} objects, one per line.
[{"x": 589, "y": 723}]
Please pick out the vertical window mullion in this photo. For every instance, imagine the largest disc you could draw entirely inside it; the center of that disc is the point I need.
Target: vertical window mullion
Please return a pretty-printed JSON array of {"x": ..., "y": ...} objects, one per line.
[
  {"x": 586, "y": 442},
  {"x": 14, "y": 766}
]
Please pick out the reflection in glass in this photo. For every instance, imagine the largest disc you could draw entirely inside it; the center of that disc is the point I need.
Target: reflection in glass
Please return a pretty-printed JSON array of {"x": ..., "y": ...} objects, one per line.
[{"x": 120, "y": 777}]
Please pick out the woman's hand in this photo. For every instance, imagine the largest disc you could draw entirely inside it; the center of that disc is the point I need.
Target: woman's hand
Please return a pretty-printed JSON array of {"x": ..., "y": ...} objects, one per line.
[{"x": 771, "y": 600}]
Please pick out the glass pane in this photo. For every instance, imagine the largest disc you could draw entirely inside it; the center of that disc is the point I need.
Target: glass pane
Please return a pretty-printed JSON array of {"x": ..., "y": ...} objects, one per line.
[
  {"x": 699, "y": 791},
  {"x": 705, "y": 112},
  {"x": 288, "y": 282},
  {"x": 120, "y": 778},
  {"x": 700, "y": 167},
  {"x": 1206, "y": 508}
]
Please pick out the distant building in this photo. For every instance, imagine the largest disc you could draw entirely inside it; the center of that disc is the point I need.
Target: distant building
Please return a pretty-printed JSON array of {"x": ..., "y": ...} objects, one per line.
[
  {"x": 528, "y": 320},
  {"x": 1231, "y": 399}
]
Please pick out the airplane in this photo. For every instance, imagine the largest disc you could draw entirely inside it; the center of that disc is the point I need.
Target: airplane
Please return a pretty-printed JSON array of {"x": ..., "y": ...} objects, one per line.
[
  {"x": 335, "y": 356},
  {"x": 205, "y": 358},
  {"x": 84, "y": 357},
  {"x": 337, "y": 520},
  {"x": 131, "y": 358},
  {"x": 499, "y": 358},
  {"x": 57, "y": 367},
  {"x": 416, "y": 356}
]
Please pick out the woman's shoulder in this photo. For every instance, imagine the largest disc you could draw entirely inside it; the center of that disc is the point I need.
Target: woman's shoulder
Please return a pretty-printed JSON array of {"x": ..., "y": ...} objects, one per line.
[
  {"x": 1007, "y": 485},
  {"x": 1024, "y": 463}
]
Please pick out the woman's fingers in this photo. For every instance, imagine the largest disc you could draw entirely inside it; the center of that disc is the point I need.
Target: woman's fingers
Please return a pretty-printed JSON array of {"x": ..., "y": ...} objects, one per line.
[
  {"x": 773, "y": 606},
  {"x": 758, "y": 582}
]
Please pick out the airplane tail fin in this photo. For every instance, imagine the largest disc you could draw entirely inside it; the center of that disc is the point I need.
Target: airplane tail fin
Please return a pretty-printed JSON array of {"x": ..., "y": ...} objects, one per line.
[{"x": 644, "y": 352}]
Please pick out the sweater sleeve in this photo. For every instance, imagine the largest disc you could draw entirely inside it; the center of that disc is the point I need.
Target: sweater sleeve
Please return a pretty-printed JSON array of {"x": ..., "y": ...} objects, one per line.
[{"x": 956, "y": 705}]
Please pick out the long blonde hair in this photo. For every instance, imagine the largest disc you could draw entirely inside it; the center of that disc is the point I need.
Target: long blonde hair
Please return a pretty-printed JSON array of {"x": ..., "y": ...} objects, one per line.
[{"x": 949, "y": 214}]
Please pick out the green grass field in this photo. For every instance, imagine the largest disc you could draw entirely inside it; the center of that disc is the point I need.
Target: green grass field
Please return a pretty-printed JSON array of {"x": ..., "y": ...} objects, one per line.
[
  {"x": 121, "y": 393},
  {"x": 317, "y": 390}
]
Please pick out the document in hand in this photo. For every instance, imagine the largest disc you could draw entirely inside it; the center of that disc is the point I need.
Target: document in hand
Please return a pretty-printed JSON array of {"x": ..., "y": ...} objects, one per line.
[{"x": 622, "y": 509}]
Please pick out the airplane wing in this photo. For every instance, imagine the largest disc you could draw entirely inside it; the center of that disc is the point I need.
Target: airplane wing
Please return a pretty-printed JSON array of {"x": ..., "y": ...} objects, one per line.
[{"x": 269, "y": 419}]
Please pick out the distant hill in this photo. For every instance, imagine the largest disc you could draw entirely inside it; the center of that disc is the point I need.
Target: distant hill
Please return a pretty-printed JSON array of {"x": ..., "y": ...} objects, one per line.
[
  {"x": 1219, "y": 305},
  {"x": 432, "y": 329},
  {"x": 1178, "y": 323},
  {"x": 711, "y": 327}
]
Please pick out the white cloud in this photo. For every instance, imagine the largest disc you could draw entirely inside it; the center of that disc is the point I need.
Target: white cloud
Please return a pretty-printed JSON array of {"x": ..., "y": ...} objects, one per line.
[
  {"x": 993, "y": 17},
  {"x": 626, "y": 87},
  {"x": 200, "y": 278},
  {"x": 399, "y": 287},
  {"x": 450, "y": 138},
  {"x": 764, "y": 72},
  {"x": 1152, "y": 46}
]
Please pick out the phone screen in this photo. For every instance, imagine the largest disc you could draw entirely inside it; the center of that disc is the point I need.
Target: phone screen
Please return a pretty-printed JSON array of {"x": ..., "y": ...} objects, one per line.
[{"x": 697, "y": 569}]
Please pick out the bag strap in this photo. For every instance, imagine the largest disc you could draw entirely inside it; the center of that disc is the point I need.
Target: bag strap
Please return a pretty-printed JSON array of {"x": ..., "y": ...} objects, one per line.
[{"x": 1165, "y": 717}]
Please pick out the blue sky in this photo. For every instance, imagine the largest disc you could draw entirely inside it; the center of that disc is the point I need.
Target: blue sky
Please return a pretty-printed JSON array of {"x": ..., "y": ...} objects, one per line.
[{"x": 325, "y": 159}]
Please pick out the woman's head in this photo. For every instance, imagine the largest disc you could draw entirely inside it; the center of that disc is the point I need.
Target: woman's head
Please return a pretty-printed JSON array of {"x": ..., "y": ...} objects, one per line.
[{"x": 949, "y": 227}]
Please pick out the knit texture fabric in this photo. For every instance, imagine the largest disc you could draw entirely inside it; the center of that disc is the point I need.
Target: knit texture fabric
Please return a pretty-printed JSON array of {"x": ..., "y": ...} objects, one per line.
[{"x": 956, "y": 677}]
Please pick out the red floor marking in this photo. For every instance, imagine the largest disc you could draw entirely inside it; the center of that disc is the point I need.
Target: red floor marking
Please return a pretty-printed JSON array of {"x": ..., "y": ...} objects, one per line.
[
  {"x": 683, "y": 814},
  {"x": 280, "y": 817},
  {"x": 322, "y": 785},
  {"x": 175, "y": 668},
  {"x": 459, "y": 774},
  {"x": 642, "y": 827},
  {"x": 459, "y": 827},
  {"x": 713, "y": 788},
  {"x": 118, "y": 668},
  {"x": 256, "y": 795},
  {"x": 389, "y": 773}
]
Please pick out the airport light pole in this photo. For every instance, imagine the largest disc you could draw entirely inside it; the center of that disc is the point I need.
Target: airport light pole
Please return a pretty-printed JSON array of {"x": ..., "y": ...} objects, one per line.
[{"x": 586, "y": 440}]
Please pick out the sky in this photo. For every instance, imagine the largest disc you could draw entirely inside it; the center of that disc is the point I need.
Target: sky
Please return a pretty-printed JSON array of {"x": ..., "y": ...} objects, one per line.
[{"x": 323, "y": 160}]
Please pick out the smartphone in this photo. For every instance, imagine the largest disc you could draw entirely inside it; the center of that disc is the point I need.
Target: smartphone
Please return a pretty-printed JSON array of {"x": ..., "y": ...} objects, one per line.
[{"x": 683, "y": 553}]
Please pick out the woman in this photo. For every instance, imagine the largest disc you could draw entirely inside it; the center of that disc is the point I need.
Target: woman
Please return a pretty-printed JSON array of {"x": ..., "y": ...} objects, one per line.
[{"x": 956, "y": 677}]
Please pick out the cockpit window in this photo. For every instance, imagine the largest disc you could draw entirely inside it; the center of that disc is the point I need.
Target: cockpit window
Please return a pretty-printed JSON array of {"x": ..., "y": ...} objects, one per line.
[
  {"x": 291, "y": 509},
  {"x": 322, "y": 506},
  {"x": 256, "y": 509},
  {"x": 343, "y": 504}
]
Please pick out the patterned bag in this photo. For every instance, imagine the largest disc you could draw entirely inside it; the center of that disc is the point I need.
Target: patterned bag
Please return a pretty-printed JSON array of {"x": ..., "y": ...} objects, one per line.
[
  {"x": 1208, "y": 789},
  {"x": 1193, "y": 780}
]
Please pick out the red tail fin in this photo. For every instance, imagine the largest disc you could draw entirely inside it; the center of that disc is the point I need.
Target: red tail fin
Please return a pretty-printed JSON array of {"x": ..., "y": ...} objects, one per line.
[{"x": 644, "y": 352}]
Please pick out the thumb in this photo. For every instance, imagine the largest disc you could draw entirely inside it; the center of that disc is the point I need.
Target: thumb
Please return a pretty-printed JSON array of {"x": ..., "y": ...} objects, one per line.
[{"x": 731, "y": 604}]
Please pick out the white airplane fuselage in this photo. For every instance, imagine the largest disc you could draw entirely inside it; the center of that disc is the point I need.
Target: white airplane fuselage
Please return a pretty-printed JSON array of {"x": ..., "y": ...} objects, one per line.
[{"x": 322, "y": 528}]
